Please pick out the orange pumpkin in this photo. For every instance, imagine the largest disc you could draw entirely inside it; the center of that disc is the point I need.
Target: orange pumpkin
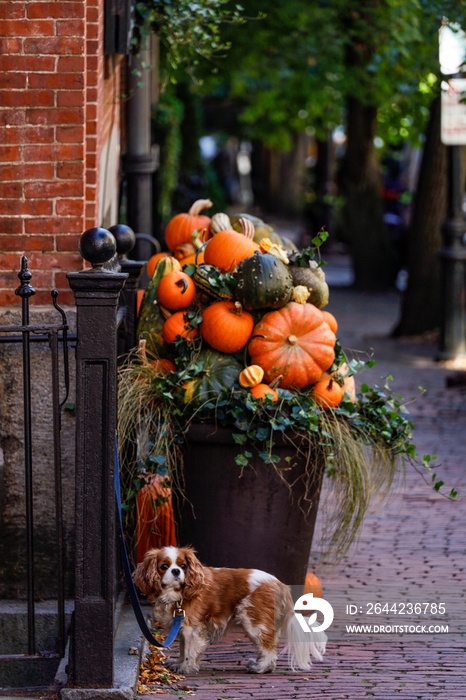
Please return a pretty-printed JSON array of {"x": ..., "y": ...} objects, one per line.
[
  {"x": 177, "y": 325},
  {"x": 228, "y": 248},
  {"x": 155, "y": 524},
  {"x": 226, "y": 326},
  {"x": 163, "y": 365},
  {"x": 349, "y": 385},
  {"x": 152, "y": 262},
  {"x": 196, "y": 259},
  {"x": 176, "y": 290},
  {"x": 293, "y": 343},
  {"x": 181, "y": 227},
  {"x": 331, "y": 320},
  {"x": 327, "y": 393},
  {"x": 313, "y": 585},
  {"x": 261, "y": 390}
]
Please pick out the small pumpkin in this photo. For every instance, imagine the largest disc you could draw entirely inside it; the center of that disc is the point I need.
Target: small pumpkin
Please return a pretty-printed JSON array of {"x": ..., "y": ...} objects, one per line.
[
  {"x": 227, "y": 249},
  {"x": 181, "y": 226},
  {"x": 348, "y": 383},
  {"x": 163, "y": 366},
  {"x": 331, "y": 320},
  {"x": 216, "y": 371},
  {"x": 177, "y": 325},
  {"x": 176, "y": 290},
  {"x": 262, "y": 390},
  {"x": 263, "y": 282},
  {"x": 226, "y": 327},
  {"x": 251, "y": 376},
  {"x": 196, "y": 259},
  {"x": 327, "y": 393},
  {"x": 293, "y": 342}
]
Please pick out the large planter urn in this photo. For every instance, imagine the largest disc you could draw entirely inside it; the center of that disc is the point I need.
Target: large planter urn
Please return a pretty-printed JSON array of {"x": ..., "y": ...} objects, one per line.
[{"x": 247, "y": 516}]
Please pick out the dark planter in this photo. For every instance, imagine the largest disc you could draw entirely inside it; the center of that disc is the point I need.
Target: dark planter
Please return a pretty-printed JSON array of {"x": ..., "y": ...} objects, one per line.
[{"x": 246, "y": 518}]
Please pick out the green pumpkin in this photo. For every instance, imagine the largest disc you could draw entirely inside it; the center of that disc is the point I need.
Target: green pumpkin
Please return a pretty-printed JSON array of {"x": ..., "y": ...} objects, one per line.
[
  {"x": 263, "y": 282},
  {"x": 217, "y": 372}
]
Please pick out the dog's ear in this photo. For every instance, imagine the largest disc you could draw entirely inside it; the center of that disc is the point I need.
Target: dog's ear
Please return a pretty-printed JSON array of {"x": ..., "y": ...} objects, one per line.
[
  {"x": 194, "y": 576},
  {"x": 146, "y": 576}
]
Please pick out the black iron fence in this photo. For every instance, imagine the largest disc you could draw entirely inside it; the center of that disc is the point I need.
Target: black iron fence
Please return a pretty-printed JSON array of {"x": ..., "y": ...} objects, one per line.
[{"x": 106, "y": 303}]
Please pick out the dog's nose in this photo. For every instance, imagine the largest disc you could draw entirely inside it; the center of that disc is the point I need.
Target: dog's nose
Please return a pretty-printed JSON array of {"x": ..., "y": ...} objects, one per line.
[{"x": 175, "y": 572}]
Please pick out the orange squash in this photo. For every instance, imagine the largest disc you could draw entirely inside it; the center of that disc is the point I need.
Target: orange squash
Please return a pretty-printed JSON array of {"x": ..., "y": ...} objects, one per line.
[
  {"x": 226, "y": 326},
  {"x": 176, "y": 290},
  {"x": 293, "y": 343},
  {"x": 181, "y": 227},
  {"x": 163, "y": 365},
  {"x": 261, "y": 390},
  {"x": 228, "y": 248},
  {"x": 155, "y": 524},
  {"x": 177, "y": 325},
  {"x": 327, "y": 393}
]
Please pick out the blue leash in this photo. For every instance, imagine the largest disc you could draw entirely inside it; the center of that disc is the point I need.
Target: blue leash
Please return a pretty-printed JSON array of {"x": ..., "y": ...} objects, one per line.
[{"x": 178, "y": 615}]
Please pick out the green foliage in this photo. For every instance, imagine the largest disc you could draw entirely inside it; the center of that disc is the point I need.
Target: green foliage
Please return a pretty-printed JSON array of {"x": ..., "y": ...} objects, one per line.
[
  {"x": 293, "y": 69},
  {"x": 187, "y": 31}
]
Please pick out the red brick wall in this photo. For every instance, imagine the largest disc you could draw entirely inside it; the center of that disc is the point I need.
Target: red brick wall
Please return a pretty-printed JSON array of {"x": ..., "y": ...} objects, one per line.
[{"x": 52, "y": 96}]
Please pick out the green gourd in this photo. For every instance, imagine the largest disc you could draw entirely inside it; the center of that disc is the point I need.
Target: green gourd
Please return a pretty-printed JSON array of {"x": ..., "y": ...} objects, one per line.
[{"x": 263, "y": 282}]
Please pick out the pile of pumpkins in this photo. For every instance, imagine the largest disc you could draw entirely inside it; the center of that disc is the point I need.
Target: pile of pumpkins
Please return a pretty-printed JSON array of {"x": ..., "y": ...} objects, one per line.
[{"x": 265, "y": 329}]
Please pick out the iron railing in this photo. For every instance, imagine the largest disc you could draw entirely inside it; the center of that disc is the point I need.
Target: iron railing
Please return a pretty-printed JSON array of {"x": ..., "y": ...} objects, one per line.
[
  {"x": 106, "y": 323},
  {"x": 52, "y": 333}
]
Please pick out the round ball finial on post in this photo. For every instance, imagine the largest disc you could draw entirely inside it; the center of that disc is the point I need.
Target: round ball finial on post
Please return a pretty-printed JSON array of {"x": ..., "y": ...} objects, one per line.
[
  {"x": 125, "y": 239},
  {"x": 97, "y": 246}
]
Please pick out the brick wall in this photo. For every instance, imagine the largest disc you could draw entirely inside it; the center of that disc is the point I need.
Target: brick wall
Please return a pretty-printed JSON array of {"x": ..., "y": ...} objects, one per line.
[{"x": 58, "y": 100}]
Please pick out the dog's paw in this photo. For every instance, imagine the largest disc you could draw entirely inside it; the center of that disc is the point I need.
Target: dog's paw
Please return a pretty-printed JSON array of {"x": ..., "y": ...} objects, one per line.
[
  {"x": 181, "y": 666},
  {"x": 252, "y": 666}
]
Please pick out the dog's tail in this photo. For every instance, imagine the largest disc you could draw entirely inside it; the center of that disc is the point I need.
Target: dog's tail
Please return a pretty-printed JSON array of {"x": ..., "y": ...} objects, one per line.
[{"x": 301, "y": 647}]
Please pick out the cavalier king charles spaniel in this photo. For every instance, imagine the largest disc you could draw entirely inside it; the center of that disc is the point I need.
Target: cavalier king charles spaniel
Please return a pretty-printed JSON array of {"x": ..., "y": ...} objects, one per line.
[{"x": 215, "y": 599}]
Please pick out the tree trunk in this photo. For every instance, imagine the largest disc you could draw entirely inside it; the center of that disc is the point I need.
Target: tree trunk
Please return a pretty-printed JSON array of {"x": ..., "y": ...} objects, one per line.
[
  {"x": 421, "y": 306},
  {"x": 362, "y": 216}
]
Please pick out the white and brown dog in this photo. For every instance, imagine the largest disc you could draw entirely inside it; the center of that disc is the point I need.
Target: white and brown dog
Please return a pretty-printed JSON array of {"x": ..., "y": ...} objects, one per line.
[{"x": 215, "y": 599}]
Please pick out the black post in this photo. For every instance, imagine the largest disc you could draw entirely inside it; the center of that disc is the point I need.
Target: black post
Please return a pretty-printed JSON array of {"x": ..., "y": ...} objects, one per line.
[
  {"x": 125, "y": 242},
  {"x": 96, "y": 292},
  {"x": 138, "y": 162},
  {"x": 453, "y": 257}
]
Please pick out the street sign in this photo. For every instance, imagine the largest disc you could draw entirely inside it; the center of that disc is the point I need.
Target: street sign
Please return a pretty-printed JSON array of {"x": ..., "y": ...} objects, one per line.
[{"x": 453, "y": 117}]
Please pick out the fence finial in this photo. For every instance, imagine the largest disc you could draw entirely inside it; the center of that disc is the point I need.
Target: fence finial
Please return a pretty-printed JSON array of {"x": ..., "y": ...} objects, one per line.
[
  {"x": 25, "y": 290},
  {"x": 97, "y": 246}
]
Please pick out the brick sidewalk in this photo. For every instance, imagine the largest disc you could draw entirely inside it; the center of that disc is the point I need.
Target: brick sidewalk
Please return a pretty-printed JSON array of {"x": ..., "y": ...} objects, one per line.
[{"x": 417, "y": 537}]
